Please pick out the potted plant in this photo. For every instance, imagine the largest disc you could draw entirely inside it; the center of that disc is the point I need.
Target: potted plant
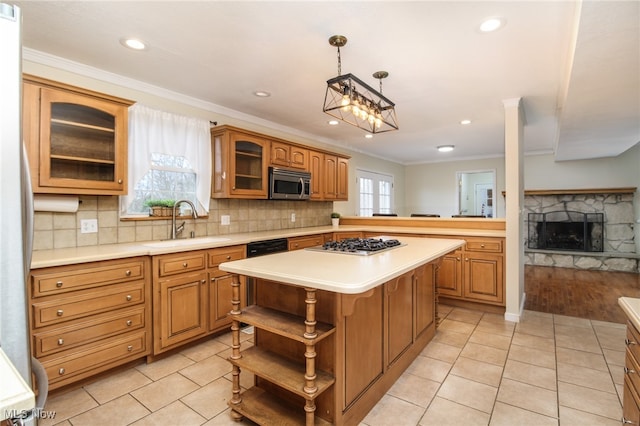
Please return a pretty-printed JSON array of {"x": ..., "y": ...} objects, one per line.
[
  {"x": 160, "y": 207},
  {"x": 335, "y": 219}
]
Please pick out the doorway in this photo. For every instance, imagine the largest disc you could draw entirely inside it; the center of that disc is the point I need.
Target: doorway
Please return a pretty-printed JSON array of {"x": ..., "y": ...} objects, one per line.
[{"x": 476, "y": 192}]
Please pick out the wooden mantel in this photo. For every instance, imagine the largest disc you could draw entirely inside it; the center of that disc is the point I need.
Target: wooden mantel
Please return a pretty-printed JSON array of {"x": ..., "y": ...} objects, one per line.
[{"x": 629, "y": 190}]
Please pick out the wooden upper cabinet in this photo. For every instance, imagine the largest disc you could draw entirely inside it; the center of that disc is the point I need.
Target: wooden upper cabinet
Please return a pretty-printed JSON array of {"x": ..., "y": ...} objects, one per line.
[
  {"x": 342, "y": 179},
  {"x": 240, "y": 164},
  {"x": 330, "y": 173},
  {"x": 316, "y": 167},
  {"x": 287, "y": 155},
  {"x": 76, "y": 139},
  {"x": 241, "y": 159}
]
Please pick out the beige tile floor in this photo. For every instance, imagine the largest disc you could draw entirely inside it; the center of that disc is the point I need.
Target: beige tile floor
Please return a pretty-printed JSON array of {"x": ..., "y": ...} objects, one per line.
[{"x": 478, "y": 370}]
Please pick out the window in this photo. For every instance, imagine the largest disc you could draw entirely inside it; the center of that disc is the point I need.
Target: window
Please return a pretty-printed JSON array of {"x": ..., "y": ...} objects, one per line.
[
  {"x": 169, "y": 159},
  {"x": 375, "y": 193},
  {"x": 169, "y": 178}
]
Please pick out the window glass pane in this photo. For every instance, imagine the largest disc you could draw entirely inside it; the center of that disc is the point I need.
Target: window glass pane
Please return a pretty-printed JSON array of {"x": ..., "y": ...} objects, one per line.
[
  {"x": 366, "y": 197},
  {"x": 170, "y": 178},
  {"x": 384, "y": 195},
  {"x": 375, "y": 193}
]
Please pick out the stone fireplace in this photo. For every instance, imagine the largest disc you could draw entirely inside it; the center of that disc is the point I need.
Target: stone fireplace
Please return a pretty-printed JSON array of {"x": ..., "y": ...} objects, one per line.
[
  {"x": 566, "y": 230},
  {"x": 583, "y": 229}
]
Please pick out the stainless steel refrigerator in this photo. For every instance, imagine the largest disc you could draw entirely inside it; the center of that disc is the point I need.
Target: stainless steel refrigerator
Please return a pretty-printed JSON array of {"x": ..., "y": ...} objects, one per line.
[{"x": 16, "y": 206}]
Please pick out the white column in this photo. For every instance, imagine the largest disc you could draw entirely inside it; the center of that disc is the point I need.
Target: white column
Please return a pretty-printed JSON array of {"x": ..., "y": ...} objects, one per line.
[{"x": 514, "y": 203}]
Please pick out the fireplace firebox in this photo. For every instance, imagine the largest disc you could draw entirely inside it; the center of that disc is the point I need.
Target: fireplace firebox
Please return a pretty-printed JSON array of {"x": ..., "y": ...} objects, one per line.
[{"x": 566, "y": 230}]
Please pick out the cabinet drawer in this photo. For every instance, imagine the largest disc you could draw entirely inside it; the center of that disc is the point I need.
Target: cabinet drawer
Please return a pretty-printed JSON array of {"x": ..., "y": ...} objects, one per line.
[
  {"x": 87, "y": 303},
  {"x": 485, "y": 245},
  {"x": 92, "y": 357},
  {"x": 56, "y": 281},
  {"x": 633, "y": 341},
  {"x": 304, "y": 242},
  {"x": 82, "y": 332},
  {"x": 171, "y": 265},
  {"x": 226, "y": 254},
  {"x": 632, "y": 370}
]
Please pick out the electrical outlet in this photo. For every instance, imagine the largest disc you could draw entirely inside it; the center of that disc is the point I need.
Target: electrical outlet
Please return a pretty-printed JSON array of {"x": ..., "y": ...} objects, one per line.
[
  {"x": 293, "y": 217},
  {"x": 225, "y": 219},
  {"x": 88, "y": 226}
]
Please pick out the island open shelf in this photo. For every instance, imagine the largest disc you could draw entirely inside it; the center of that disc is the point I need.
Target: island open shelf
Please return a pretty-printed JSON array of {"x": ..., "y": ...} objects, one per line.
[{"x": 322, "y": 356}]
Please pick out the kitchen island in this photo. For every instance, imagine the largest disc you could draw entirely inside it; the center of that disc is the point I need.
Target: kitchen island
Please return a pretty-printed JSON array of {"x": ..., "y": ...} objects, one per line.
[{"x": 333, "y": 331}]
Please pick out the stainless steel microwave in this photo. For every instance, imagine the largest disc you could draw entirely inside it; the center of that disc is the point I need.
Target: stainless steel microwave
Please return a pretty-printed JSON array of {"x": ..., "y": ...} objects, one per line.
[{"x": 285, "y": 184}]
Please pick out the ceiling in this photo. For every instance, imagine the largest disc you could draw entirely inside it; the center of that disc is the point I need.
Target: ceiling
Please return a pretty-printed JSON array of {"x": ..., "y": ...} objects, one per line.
[{"x": 576, "y": 66}]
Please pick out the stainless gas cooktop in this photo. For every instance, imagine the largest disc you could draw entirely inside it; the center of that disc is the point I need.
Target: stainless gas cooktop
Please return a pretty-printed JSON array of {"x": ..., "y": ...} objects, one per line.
[{"x": 358, "y": 246}]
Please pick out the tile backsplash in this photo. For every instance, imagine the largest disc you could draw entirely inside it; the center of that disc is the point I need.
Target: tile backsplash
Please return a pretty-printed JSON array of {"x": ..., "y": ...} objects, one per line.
[{"x": 61, "y": 230}]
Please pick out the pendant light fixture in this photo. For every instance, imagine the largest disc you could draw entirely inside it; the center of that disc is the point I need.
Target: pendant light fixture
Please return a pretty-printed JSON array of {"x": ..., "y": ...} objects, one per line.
[{"x": 355, "y": 102}]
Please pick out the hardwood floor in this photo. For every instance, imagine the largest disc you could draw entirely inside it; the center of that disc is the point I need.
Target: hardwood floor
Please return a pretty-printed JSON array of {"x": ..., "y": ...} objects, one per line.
[{"x": 579, "y": 293}]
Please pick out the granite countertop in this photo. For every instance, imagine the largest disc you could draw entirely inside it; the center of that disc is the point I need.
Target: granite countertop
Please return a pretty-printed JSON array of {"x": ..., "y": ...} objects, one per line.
[
  {"x": 631, "y": 307},
  {"x": 344, "y": 273},
  {"x": 75, "y": 255}
]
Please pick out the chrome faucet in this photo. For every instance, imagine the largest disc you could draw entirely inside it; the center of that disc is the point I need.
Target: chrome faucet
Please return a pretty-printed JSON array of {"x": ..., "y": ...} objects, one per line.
[{"x": 175, "y": 230}]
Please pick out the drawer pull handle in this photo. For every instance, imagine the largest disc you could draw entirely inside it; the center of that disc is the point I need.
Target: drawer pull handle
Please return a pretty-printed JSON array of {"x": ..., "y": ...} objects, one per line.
[
  {"x": 59, "y": 284},
  {"x": 628, "y": 370},
  {"x": 228, "y": 257},
  {"x": 629, "y": 342},
  {"x": 128, "y": 273},
  {"x": 129, "y": 322},
  {"x": 60, "y": 312},
  {"x": 120, "y": 181},
  {"x": 482, "y": 245},
  {"x": 60, "y": 342},
  {"x": 185, "y": 264},
  {"x": 203, "y": 281},
  {"x": 129, "y": 348},
  {"x": 129, "y": 297},
  {"x": 61, "y": 371}
]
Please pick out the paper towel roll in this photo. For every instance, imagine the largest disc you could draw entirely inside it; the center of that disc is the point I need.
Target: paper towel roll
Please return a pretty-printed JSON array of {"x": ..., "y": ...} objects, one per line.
[{"x": 55, "y": 203}]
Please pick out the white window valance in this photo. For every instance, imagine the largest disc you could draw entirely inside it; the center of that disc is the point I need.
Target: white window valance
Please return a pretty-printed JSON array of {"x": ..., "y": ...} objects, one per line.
[{"x": 169, "y": 157}]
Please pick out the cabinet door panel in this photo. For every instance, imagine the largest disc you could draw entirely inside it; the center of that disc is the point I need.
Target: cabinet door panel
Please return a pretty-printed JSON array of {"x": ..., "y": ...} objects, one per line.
[
  {"x": 483, "y": 277},
  {"x": 400, "y": 315},
  {"x": 449, "y": 275},
  {"x": 424, "y": 298},
  {"x": 82, "y": 142},
  {"x": 330, "y": 174},
  {"x": 316, "y": 167},
  {"x": 182, "y": 309},
  {"x": 363, "y": 351},
  {"x": 220, "y": 295}
]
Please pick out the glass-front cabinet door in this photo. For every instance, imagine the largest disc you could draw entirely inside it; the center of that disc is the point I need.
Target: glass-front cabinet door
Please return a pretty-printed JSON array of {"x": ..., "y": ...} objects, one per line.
[
  {"x": 82, "y": 142},
  {"x": 249, "y": 165}
]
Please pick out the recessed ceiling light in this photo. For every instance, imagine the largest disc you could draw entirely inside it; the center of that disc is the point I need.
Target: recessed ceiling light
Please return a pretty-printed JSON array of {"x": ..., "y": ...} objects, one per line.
[
  {"x": 262, "y": 94},
  {"x": 445, "y": 148},
  {"x": 465, "y": 122},
  {"x": 133, "y": 43},
  {"x": 368, "y": 136},
  {"x": 492, "y": 24},
  {"x": 333, "y": 122}
]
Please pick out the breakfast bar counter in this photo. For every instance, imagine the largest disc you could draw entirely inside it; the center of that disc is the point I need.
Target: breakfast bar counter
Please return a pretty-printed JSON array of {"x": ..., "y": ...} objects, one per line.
[{"x": 332, "y": 331}]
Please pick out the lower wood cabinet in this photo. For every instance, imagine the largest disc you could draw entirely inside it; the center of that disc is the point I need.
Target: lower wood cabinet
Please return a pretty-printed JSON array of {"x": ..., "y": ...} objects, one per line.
[
  {"x": 90, "y": 317},
  {"x": 298, "y": 243},
  {"x": 321, "y": 357},
  {"x": 474, "y": 273},
  {"x": 191, "y": 296},
  {"x": 631, "y": 392}
]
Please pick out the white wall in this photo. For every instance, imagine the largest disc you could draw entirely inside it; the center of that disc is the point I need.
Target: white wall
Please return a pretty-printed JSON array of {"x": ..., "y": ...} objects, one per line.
[
  {"x": 373, "y": 164},
  {"x": 431, "y": 188}
]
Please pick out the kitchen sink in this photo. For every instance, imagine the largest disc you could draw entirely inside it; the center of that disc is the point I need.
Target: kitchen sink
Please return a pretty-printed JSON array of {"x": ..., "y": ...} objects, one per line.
[{"x": 185, "y": 242}]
